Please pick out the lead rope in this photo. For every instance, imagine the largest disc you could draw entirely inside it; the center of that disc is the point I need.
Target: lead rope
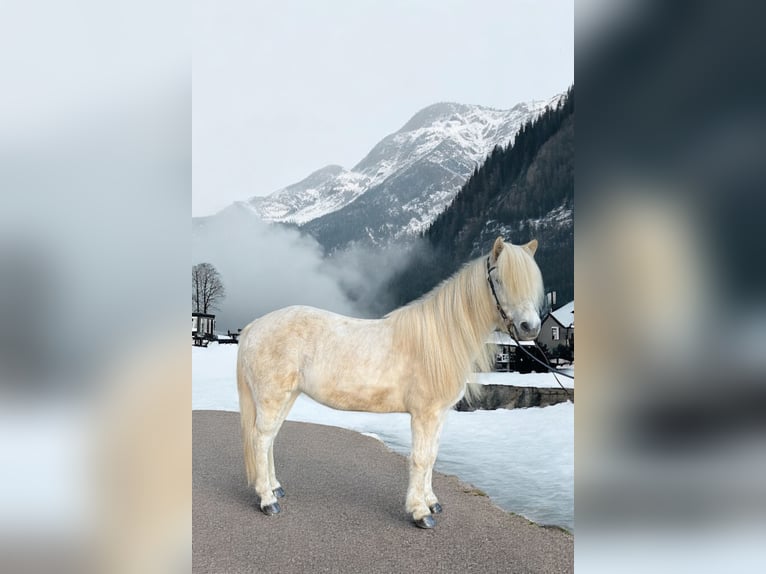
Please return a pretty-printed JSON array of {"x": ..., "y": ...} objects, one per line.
[{"x": 507, "y": 323}]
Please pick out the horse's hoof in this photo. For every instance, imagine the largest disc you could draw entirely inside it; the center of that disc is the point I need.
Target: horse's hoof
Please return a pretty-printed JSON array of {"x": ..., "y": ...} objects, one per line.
[
  {"x": 279, "y": 492},
  {"x": 271, "y": 509},
  {"x": 426, "y": 522},
  {"x": 436, "y": 508}
]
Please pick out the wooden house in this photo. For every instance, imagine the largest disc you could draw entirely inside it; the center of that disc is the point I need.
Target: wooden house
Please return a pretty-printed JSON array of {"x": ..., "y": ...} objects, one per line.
[{"x": 558, "y": 328}]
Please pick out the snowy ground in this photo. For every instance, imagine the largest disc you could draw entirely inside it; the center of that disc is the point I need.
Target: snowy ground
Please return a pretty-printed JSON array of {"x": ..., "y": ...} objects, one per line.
[
  {"x": 522, "y": 458},
  {"x": 542, "y": 380}
]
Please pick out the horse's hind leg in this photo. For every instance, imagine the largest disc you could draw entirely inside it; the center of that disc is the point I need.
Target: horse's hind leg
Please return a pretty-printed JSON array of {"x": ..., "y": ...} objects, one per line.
[
  {"x": 271, "y": 415},
  {"x": 276, "y": 487}
]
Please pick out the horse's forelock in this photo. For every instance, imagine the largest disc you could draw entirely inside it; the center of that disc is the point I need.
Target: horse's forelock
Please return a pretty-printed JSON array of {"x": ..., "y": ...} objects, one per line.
[{"x": 520, "y": 274}]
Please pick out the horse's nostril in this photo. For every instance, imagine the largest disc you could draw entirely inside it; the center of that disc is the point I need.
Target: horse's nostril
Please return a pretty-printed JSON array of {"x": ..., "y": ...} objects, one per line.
[{"x": 524, "y": 326}]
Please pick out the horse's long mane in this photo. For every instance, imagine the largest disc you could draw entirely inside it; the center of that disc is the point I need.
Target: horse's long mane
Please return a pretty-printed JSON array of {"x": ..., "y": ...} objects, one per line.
[{"x": 447, "y": 328}]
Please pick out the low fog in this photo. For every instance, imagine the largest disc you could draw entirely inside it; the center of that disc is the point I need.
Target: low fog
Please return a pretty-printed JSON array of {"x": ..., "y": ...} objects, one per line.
[
  {"x": 267, "y": 266},
  {"x": 363, "y": 273}
]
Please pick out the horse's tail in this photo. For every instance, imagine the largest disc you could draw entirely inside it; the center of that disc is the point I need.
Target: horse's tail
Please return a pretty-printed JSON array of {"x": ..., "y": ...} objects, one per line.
[{"x": 246, "y": 416}]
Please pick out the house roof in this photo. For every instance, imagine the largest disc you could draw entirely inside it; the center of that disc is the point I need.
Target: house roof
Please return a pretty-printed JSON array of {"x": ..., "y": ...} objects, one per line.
[
  {"x": 564, "y": 315},
  {"x": 195, "y": 314}
]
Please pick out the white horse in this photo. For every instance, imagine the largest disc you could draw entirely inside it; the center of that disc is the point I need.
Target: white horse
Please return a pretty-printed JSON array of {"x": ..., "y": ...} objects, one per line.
[{"x": 416, "y": 359}]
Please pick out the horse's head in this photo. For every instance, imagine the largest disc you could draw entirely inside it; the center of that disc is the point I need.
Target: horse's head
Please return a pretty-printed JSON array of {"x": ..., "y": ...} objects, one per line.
[{"x": 518, "y": 286}]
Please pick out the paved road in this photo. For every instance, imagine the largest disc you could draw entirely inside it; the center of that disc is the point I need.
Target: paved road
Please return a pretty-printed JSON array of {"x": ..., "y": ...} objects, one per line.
[{"x": 344, "y": 512}]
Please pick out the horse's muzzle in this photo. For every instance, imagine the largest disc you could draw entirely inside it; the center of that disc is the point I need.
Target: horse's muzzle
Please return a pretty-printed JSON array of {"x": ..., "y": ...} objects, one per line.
[{"x": 527, "y": 330}]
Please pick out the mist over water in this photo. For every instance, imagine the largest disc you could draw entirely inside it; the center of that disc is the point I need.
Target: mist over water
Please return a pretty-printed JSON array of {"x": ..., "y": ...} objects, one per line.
[
  {"x": 368, "y": 274},
  {"x": 266, "y": 266},
  {"x": 263, "y": 267}
]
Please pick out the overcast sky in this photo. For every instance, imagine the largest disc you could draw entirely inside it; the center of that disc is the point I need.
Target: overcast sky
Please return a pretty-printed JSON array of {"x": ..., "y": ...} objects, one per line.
[{"x": 282, "y": 88}]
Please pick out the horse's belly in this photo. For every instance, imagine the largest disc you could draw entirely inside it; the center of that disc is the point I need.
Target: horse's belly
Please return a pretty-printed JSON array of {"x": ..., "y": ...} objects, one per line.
[
  {"x": 352, "y": 368},
  {"x": 357, "y": 397}
]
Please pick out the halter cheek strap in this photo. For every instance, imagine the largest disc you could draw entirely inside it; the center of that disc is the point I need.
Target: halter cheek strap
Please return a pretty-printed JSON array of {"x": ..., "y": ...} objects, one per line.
[{"x": 500, "y": 309}]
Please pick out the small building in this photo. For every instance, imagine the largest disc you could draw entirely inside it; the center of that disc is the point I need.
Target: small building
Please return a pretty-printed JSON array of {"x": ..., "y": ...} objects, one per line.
[
  {"x": 558, "y": 328},
  {"x": 509, "y": 358},
  {"x": 203, "y": 328}
]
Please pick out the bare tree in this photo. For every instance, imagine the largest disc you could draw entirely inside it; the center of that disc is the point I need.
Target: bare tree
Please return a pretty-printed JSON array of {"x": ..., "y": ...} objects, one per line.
[{"x": 207, "y": 288}]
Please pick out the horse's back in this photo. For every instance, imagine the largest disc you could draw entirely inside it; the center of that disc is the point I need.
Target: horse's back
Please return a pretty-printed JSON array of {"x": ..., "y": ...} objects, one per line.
[
  {"x": 298, "y": 333},
  {"x": 298, "y": 321}
]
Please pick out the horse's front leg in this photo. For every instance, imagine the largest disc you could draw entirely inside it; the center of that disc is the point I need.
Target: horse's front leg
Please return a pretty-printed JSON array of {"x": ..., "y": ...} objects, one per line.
[
  {"x": 421, "y": 500},
  {"x": 431, "y": 500}
]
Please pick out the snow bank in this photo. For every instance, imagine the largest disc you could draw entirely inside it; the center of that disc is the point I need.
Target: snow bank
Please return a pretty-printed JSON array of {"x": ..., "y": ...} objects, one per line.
[
  {"x": 540, "y": 380},
  {"x": 522, "y": 458}
]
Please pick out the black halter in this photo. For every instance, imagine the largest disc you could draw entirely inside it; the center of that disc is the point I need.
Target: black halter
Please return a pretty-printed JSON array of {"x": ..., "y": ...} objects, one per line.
[{"x": 503, "y": 314}]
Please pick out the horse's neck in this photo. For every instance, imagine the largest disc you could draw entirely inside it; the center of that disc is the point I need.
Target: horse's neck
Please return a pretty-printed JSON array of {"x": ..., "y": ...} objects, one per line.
[
  {"x": 445, "y": 331},
  {"x": 463, "y": 309}
]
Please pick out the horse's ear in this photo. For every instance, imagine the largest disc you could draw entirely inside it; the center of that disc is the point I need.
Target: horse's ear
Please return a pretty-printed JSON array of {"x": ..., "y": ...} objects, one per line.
[
  {"x": 497, "y": 248},
  {"x": 531, "y": 247}
]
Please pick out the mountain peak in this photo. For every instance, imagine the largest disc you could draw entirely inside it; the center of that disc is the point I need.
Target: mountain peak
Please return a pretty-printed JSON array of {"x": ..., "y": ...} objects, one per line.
[
  {"x": 432, "y": 113},
  {"x": 316, "y": 177},
  {"x": 331, "y": 169}
]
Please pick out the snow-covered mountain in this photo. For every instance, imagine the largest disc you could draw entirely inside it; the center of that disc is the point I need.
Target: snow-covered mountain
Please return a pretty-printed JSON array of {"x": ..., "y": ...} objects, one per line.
[
  {"x": 324, "y": 191},
  {"x": 403, "y": 182},
  {"x": 522, "y": 192}
]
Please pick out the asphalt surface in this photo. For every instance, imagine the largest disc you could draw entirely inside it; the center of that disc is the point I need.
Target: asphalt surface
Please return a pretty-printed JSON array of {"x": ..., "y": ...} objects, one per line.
[{"x": 344, "y": 512}]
